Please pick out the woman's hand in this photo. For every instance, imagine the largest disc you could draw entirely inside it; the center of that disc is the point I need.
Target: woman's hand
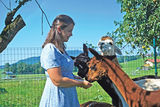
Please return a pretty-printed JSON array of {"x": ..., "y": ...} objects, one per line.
[{"x": 86, "y": 84}]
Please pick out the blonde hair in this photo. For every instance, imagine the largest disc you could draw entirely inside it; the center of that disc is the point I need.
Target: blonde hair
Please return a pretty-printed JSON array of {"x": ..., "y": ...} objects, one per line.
[{"x": 53, "y": 36}]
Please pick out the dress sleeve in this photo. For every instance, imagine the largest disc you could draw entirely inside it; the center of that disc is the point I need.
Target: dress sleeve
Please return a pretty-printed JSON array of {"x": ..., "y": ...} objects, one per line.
[{"x": 49, "y": 57}]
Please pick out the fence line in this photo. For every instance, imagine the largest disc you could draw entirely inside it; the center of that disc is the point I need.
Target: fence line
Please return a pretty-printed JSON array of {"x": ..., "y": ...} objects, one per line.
[{"x": 22, "y": 79}]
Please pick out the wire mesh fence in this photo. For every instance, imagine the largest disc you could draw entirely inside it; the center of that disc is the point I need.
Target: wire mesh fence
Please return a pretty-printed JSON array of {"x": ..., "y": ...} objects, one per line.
[{"x": 22, "y": 79}]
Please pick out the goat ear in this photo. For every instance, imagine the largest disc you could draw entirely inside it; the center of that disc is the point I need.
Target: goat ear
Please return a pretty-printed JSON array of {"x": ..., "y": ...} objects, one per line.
[
  {"x": 117, "y": 50},
  {"x": 85, "y": 49},
  {"x": 95, "y": 53}
]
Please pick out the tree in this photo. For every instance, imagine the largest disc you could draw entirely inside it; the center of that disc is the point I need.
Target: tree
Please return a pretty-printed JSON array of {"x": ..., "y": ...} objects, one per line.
[
  {"x": 12, "y": 26},
  {"x": 13, "y": 68},
  {"x": 6, "y": 67},
  {"x": 140, "y": 24}
]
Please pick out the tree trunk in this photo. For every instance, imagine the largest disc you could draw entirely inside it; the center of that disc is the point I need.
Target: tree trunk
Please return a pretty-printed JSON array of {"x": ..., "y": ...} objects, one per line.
[{"x": 10, "y": 31}]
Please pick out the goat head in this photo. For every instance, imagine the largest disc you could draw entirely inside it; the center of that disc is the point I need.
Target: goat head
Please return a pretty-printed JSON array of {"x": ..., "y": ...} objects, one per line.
[{"x": 81, "y": 62}]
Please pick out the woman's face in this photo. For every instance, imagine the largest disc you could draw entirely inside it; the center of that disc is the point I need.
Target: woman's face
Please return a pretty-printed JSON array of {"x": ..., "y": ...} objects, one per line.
[{"x": 67, "y": 32}]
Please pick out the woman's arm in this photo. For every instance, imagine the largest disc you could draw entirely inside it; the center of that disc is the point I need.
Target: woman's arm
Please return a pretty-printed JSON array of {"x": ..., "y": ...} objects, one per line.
[
  {"x": 77, "y": 77},
  {"x": 60, "y": 81}
]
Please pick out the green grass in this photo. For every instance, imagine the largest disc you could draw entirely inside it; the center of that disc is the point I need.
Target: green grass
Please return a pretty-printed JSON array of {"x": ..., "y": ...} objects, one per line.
[
  {"x": 25, "y": 93},
  {"x": 95, "y": 93},
  {"x": 131, "y": 66}
]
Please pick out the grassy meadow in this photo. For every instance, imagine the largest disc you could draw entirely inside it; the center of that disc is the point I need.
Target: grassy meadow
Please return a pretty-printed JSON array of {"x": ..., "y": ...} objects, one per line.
[
  {"x": 26, "y": 90},
  {"x": 21, "y": 93},
  {"x": 27, "y": 93}
]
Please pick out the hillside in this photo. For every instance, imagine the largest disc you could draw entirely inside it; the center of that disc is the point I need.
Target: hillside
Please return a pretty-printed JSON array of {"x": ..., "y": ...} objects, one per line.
[{"x": 33, "y": 60}]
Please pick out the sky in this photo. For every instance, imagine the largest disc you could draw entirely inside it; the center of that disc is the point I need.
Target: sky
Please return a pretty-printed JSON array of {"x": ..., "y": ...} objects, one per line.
[{"x": 93, "y": 19}]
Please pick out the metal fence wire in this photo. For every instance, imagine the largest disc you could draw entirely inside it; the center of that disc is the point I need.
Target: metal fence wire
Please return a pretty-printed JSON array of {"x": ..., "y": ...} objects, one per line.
[{"x": 22, "y": 79}]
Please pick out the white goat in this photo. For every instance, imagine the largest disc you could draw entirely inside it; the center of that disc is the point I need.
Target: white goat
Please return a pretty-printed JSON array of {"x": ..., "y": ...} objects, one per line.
[{"x": 108, "y": 48}]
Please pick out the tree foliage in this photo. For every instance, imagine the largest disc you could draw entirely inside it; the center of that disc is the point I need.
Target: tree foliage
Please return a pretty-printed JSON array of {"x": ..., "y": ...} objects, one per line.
[
  {"x": 140, "y": 24},
  {"x": 23, "y": 68},
  {"x": 7, "y": 65}
]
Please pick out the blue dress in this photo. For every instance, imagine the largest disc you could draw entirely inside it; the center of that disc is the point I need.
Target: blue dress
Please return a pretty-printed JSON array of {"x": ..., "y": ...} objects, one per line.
[{"x": 54, "y": 96}]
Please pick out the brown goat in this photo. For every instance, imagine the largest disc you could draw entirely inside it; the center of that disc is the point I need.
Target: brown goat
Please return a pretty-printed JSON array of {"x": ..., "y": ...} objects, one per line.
[
  {"x": 129, "y": 92},
  {"x": 81, "y": 62}
]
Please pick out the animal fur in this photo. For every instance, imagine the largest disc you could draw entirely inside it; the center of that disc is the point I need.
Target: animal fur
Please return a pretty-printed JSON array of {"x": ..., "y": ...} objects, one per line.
[{"x": 130, "y": 93}]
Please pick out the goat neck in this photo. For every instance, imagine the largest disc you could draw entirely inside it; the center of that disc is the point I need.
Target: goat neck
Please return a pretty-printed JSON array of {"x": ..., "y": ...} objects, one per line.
[
  {"x": 113, "y": 58},
  {"x": 134, "y": 95}
]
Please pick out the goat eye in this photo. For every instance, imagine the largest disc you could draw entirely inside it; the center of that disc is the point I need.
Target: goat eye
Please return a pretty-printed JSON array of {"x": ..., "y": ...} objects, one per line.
[
  {"x": 102, "y": 43},
  {"x": 93, "y": 67},
  {"x": 111, "y": 43}
]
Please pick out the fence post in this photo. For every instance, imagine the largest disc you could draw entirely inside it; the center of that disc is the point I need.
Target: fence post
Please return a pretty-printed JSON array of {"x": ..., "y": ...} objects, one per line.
[{"x": 155, "y": 55}]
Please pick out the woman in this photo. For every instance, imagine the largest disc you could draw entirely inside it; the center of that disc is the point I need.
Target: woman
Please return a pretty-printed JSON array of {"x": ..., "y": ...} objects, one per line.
[{"x": 60, "y": 87}]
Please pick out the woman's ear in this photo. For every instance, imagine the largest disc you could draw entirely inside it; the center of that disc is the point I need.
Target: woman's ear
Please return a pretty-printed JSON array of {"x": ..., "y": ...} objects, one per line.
[{"x": 59, "y": 29}]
